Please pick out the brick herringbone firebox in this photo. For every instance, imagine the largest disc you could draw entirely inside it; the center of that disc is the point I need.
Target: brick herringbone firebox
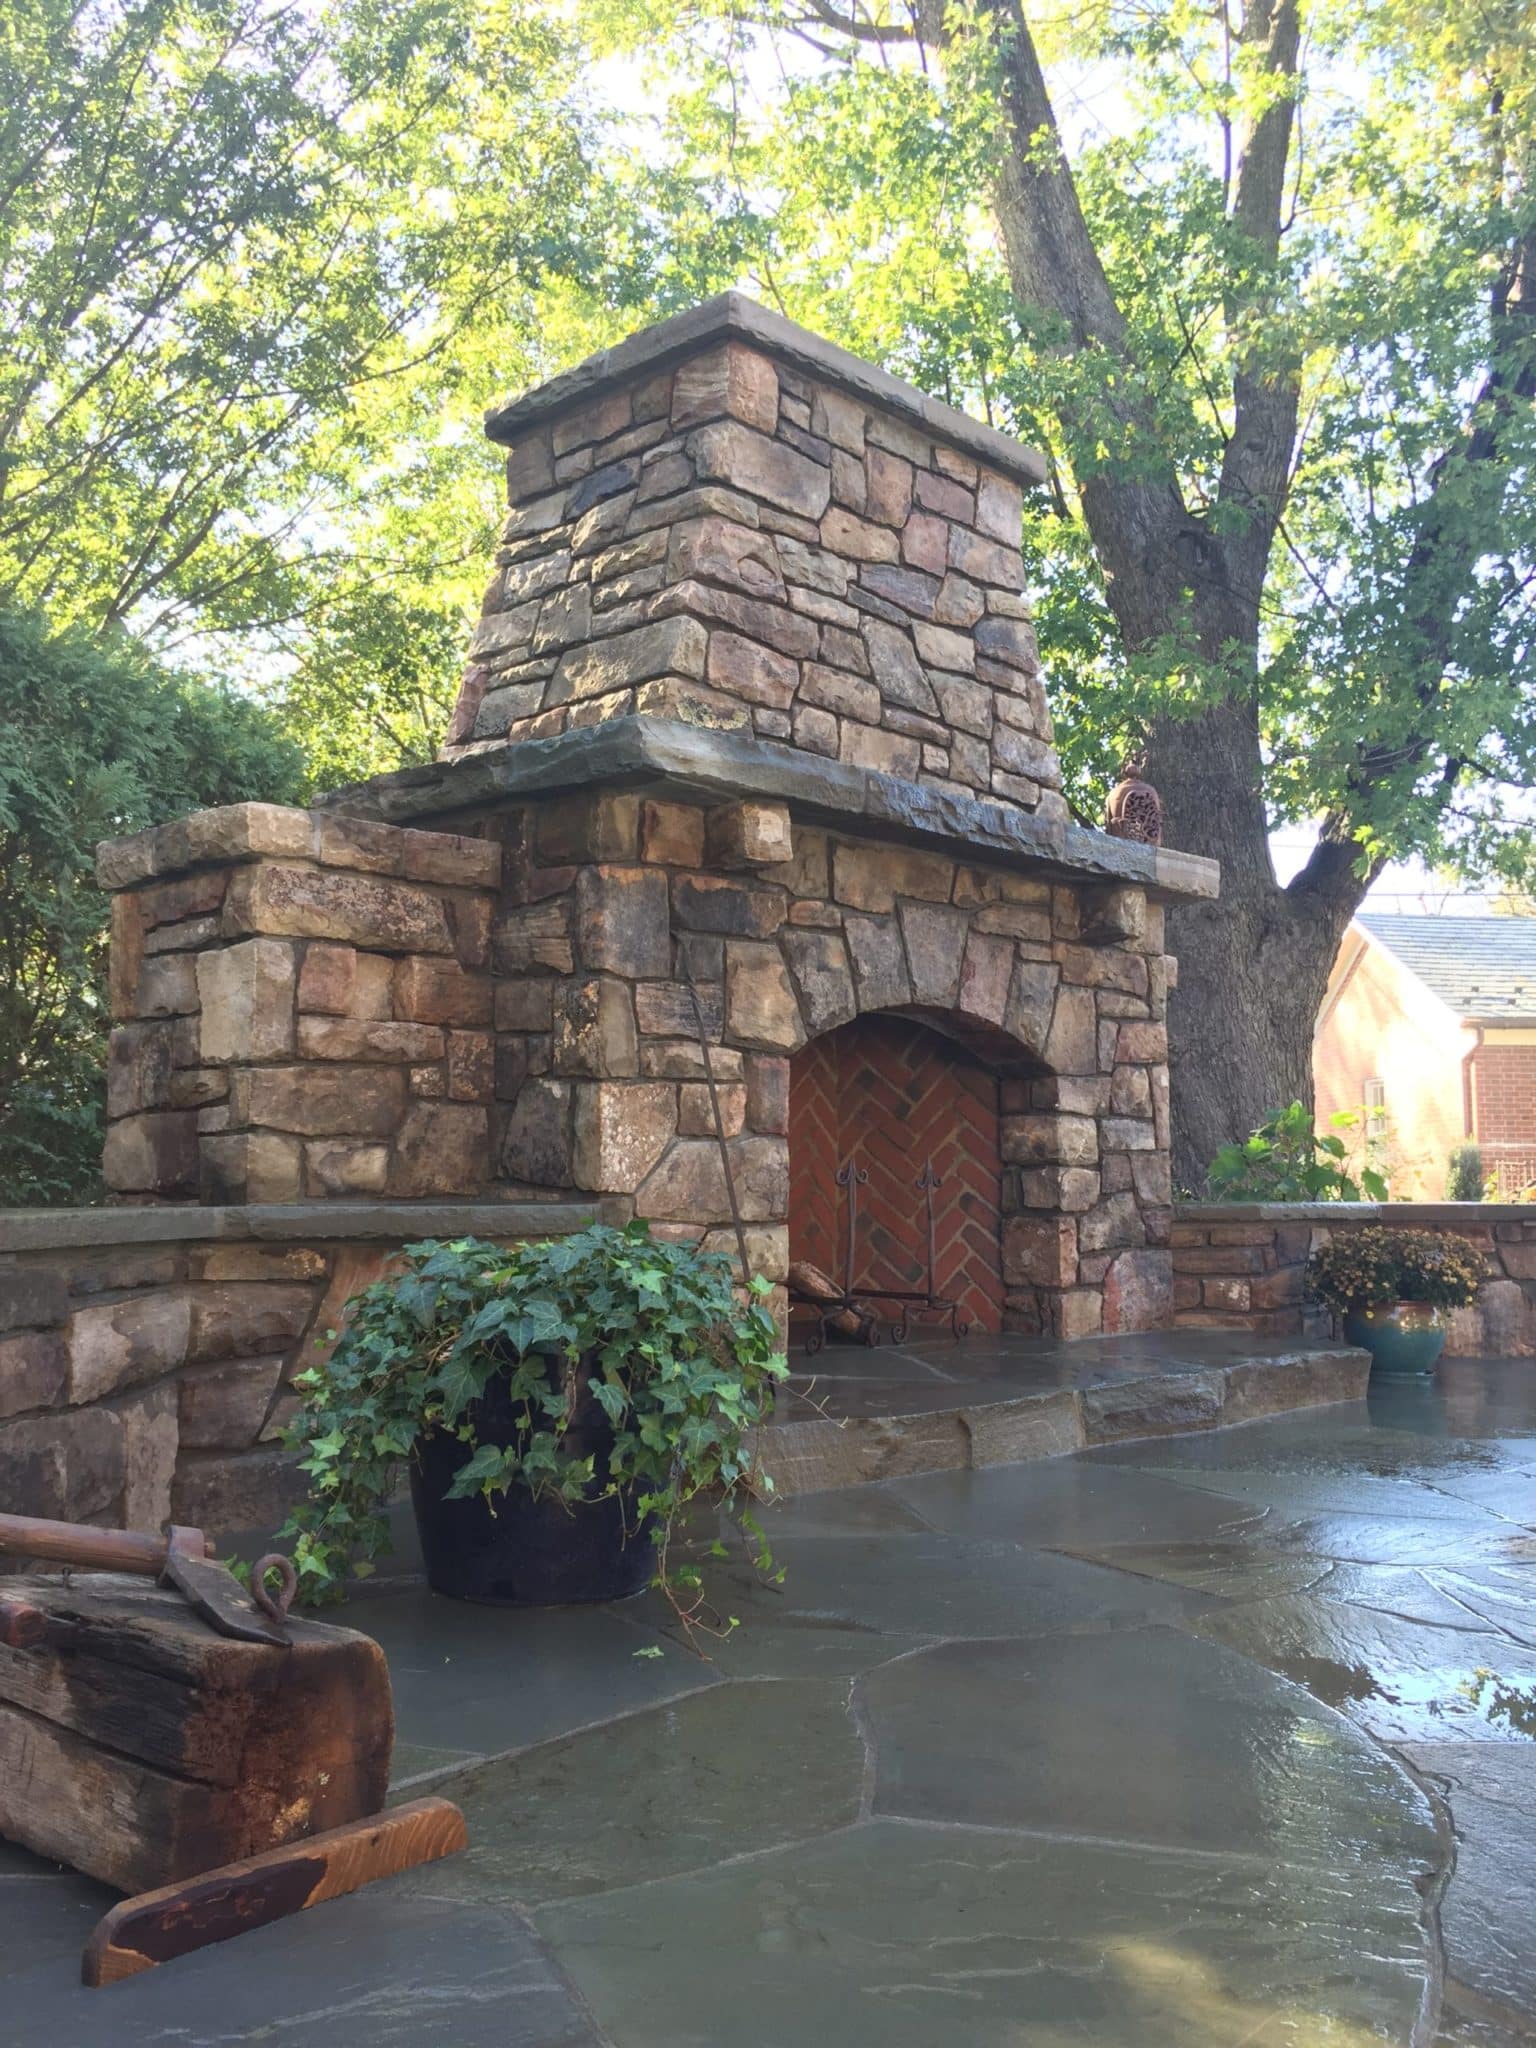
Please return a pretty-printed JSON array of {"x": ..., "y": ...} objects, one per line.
[
  {"x": 897, "y": 1101},
  {"x": 752, "y": 747}
]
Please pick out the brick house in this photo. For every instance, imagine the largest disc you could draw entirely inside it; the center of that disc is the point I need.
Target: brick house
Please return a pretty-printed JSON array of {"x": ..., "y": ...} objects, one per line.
[{"x": 1430, "y": 1025}]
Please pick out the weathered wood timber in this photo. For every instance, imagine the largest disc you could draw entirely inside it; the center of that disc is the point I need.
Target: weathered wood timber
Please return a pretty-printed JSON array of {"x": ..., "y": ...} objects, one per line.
[
  {"x": 143, "y": 1748},
  {"x": 161, "y": 1925}
]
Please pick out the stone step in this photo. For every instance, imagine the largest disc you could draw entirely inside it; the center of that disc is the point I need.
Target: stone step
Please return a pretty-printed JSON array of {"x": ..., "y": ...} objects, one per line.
[{"x": 851, "y": 1415}]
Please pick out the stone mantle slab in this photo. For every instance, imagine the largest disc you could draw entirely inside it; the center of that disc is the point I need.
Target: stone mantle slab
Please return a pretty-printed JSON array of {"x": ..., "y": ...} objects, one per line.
[
  {"x": 666, "y": 757},
  {"x": 59, "y": 1230}
]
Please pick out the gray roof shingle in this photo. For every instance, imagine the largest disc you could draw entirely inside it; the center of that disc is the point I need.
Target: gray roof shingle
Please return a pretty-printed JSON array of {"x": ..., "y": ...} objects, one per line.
[{"x": 1480, "y": 967}]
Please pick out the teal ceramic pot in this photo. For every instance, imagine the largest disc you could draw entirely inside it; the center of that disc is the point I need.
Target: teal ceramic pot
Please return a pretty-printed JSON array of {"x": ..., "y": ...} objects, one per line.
[{"x": 1405, "y": 1340}]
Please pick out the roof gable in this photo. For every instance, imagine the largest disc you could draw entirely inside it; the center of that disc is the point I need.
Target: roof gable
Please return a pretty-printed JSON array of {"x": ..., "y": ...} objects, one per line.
[{"x": 1482, "y": 968}]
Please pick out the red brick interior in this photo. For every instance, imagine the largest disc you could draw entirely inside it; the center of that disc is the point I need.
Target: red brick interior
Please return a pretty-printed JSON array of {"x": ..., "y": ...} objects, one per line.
[{"x": 898, "y": 1094}]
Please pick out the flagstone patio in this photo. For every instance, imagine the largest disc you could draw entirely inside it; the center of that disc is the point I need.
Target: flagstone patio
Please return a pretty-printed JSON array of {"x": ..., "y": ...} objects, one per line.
[{"x": 1184, "y": 1740}]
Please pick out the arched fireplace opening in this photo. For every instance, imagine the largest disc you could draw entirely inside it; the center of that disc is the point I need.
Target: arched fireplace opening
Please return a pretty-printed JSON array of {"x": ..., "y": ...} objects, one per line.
[{"x": 899, "y": 1103}]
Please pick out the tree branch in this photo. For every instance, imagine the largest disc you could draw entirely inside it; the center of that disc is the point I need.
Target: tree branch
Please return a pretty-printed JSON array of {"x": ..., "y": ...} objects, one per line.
[
  {"x": 1136, "y": 521},
  {"x": 1331, "y": 875},
  {"x": 1256, "y": 464},
  {"x": 858, "y": 31}
]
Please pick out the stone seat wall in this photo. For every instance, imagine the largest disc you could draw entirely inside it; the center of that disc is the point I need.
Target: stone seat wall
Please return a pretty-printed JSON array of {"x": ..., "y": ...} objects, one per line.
[
  {"x": 1242, "y": 1266},
  {"x": 147, "y": 1355}
]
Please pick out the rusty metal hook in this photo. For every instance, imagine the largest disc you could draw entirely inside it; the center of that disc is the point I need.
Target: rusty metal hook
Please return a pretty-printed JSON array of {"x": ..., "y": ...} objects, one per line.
[{"x": 274, "y": 1604}]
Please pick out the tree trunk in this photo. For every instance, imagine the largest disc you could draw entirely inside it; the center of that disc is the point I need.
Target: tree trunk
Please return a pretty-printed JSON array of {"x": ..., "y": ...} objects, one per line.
[
  {"x": 1254, "y": 965},
  {"x": 1253, "y": 969}
]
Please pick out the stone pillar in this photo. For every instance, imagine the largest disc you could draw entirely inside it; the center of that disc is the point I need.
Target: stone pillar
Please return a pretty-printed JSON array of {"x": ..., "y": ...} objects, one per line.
[{"x": 301, "y": 1008}]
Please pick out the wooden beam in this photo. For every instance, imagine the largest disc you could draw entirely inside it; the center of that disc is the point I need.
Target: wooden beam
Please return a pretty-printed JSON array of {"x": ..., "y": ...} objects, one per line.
[
  {"x": 156, "y": 1927},
  {"x": 143, "y": 1748}
]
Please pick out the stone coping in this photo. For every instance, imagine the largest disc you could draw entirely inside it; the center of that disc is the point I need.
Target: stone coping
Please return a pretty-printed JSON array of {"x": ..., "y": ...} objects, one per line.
[
  {"x": 1453, "y": 1215},
  {"x": 734, "y": 316},
  {"x": 257, "y": 831},
  {"x": 726, "y": 767},
  {"x": 47, "y": 1230}
]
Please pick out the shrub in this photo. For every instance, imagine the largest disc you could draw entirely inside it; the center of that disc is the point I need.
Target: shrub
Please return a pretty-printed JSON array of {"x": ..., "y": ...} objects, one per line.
[
  {"x": 681, "y": 1367},
  {"x": 95, "y": 741},
  {"x": 1466, "y": 1181},
  {"x": 1287, "y": 1160},
  {"x": 1363, "y": 1269}
]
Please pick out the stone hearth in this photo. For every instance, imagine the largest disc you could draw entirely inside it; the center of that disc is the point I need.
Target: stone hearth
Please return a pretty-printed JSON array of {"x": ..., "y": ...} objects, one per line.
[{"x": 850, "y": 1415}]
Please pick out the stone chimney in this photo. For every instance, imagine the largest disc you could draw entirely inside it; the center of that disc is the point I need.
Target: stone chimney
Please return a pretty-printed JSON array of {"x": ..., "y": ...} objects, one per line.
[{"x": 728, "y": 522}]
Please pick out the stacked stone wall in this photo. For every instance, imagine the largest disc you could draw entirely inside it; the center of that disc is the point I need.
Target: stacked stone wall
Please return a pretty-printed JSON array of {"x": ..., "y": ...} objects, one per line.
[
  {"x": 147, "y": 1380},
  {"x": 302, "y": 1009},
  {"x": 1243, "y": 1267},
  {"x": 740, "y": 545},
  {"x": 318, "y": 1006}
]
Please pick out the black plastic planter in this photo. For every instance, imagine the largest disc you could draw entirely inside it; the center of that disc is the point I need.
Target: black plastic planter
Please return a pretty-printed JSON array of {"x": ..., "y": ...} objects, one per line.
[{"x": 517, "y": 1551}]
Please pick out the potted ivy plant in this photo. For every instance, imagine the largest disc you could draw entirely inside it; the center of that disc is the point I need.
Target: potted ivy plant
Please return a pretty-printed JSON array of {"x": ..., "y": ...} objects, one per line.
[
  {"x": 558, "y": 1405},
  {"x": 1391, "y": 1289}
]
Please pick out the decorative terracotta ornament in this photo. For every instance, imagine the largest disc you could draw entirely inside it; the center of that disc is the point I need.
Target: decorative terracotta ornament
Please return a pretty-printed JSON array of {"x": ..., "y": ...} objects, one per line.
[{"x": 1134, "y": 809}]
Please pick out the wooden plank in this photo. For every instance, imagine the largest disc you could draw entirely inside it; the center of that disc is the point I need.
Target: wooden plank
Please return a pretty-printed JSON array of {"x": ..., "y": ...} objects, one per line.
[
  {"x": 107, "y": 1815},
  {"x": 140, "y": 1746},
  {"x": 158, "y": 1926}
]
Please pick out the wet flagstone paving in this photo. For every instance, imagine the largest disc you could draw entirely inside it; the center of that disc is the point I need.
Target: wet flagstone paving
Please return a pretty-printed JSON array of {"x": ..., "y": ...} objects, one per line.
[{"x": 1216, "y": 1741}]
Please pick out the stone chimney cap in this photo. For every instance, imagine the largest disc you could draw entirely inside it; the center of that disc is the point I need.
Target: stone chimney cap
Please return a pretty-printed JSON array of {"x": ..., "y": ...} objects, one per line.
[{"x": 734, "y": 316}]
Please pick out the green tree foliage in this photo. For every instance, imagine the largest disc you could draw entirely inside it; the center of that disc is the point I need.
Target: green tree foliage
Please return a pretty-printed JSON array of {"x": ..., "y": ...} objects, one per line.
[
  {"x": 1261, "y": 279},
  {"x": 95, "y": 741},
  {"x": 261, "y": 266}
]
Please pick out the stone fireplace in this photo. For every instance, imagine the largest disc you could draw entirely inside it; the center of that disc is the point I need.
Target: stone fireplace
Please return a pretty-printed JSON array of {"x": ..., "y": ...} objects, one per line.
[{"x": 751, "y": 782}]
